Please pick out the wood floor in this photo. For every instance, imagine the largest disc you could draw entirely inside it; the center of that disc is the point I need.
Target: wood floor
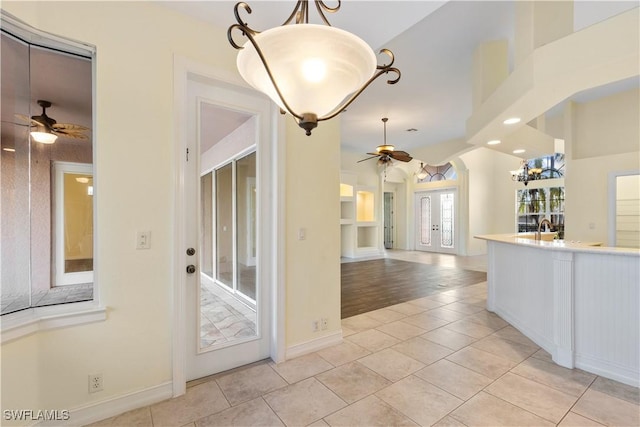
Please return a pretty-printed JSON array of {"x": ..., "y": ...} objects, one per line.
[{"x": 370, "y": 285}]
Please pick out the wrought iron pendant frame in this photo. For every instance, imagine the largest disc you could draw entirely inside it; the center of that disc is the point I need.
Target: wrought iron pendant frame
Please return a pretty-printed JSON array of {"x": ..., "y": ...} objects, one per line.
[{"x": 306, "y": 120}]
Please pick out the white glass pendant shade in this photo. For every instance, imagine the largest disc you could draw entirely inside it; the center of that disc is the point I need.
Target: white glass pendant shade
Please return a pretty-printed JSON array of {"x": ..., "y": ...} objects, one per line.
[
  {"x": 44, "y": 137},
  {"x": 315, "y": 66}
]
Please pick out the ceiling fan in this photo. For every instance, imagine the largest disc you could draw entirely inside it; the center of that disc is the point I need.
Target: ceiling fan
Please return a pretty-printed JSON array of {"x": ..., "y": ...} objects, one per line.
[
  {"x": 386, "y": 153},
  {"x": 47, "y": 129}
]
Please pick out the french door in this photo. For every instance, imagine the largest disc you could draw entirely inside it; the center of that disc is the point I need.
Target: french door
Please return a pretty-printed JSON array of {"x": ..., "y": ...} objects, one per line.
[
  {"x": 388, "y": 220},
  {"x": 435, "y": 217},
  {"x": 228, "y": 292}
]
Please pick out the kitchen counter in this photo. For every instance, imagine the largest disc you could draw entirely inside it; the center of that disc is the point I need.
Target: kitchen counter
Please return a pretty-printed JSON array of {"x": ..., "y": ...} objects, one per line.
[
  {"x": 578, "y": 301},
  {"x": 561, "y": 245}
]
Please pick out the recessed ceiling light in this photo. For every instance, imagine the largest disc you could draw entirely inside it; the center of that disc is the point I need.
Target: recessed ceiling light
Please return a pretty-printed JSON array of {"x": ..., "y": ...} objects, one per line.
[
  {"x": 518, "y": 151},
  {"x": 512, "y": 121},
  {"x": 412, "y": 130},
  {"x": 493, "y": 142},
  {"x": 11, "y": 150}
]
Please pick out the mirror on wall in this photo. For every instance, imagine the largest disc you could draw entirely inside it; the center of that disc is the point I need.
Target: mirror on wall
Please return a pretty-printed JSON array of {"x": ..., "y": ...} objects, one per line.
[{"x": 46, "y": 170}]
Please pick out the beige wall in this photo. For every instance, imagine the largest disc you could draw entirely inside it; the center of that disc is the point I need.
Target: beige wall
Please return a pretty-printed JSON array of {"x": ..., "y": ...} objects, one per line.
[
  {"x": 312, "y": 266},
  {"x": 607, "y": 126},
  {"x": 602, "y": 137},
  {"x": 136, "y": 42},
  {"x": 491, "y": 195}
]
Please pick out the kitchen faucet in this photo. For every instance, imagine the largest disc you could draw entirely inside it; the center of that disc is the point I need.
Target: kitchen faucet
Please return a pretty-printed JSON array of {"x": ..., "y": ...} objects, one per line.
[{"x": 539, "y": 233}]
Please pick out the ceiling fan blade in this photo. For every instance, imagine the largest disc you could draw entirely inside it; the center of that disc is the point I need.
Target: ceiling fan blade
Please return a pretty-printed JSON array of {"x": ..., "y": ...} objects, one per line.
[
  {"x": 70, "y": 134},
  {"x": 403, "y": 159},
  {"x": 400, "y": 153},
  {"x": 368, "y": 158},
  {"x": 69, "y": 127},
  {"x": 402, "y": 156},
  {"x": 373, "y": 154},
  {"x": 17, "y": 124},
  {"x": 29, "y": 120},
  {"x": 22, "y": 117}
]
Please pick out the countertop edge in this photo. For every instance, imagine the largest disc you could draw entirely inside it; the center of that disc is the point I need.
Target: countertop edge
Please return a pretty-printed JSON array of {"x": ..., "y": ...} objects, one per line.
[{"x": 571, "y": 246}]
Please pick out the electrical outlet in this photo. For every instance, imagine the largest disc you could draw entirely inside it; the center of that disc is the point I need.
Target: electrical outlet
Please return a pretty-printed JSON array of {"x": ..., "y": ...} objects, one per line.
[
  {"x": 324, "y": 323},
  {"x": 143, "y": 240},
  {"x": 315, "y": 325},
  {"x": 95, "y": 383}
]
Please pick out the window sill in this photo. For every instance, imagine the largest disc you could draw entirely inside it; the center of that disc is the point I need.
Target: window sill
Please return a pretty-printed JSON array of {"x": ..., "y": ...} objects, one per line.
[{"x": 27, "y": 322}]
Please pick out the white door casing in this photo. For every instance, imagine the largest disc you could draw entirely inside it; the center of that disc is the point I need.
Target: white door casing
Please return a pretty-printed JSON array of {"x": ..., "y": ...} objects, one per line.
[{"x": 270, "y": 203}]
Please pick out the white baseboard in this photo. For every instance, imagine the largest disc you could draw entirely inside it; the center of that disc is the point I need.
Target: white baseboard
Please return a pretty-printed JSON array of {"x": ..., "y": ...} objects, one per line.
[
  {"x": 313, "y": 345},
  {"x": 111, "y": 407},
  {"x": 624, "y": 374}
]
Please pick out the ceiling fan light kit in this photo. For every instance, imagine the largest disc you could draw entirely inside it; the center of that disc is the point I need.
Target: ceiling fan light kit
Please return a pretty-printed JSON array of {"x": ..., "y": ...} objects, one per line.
[
  {"x": 386, "y": 153},
  {"x": 44, "y": 136},
  {"x": 312, "y": 72},
  {"x": 48, "y": 129}
]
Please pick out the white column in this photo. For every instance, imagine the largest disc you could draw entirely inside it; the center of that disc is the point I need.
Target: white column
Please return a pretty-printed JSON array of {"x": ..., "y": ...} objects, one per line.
[{"x": 563, "y": 316}]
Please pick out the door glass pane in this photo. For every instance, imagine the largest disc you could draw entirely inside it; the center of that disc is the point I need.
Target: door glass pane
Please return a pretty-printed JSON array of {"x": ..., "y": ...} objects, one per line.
[
  {"x": 425, "y": 220},
  {"x": 246, "y": 222},
  {"x": 388, "y": 220},
  {"x": 224, "y": 225},
  {"x": 206, "y": 237},
  {"x": 446, "y": 220}
]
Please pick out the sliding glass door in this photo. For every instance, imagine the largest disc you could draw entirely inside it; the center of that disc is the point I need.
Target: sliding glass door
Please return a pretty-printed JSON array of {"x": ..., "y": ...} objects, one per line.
[{"x": 228, "y": 243}]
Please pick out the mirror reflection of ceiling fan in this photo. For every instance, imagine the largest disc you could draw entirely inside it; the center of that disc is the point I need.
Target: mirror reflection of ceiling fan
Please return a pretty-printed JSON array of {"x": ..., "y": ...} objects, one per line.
[
  {"x": 47, "y": 129},
  {"x": 387, "y": 153}
]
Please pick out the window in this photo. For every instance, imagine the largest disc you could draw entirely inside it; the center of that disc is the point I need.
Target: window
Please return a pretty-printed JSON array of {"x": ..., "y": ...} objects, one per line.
[
  {"x": 534, "y": 204},
  {"x": 47, "y": 189},
  {"x": 439, "y": 173}
]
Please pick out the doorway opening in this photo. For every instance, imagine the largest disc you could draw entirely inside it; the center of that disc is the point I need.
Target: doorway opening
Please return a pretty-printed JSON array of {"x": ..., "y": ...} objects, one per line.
[{"x": 624, "y": 209}]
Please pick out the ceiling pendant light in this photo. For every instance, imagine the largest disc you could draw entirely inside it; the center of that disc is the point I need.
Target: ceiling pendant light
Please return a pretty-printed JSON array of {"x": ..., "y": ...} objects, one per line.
[
  {"x": 422, "y": 172},
  {"x": 312, "y": 72},
  {"x": 526, "y": 173}
]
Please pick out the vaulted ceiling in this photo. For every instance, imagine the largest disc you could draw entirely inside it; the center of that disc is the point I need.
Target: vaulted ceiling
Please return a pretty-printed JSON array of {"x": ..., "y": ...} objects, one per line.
[{"x": 433, "y": 42}]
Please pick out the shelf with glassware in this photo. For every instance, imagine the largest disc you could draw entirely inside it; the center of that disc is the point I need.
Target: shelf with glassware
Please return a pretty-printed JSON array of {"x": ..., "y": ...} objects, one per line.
[{"x": 358, "y": 218}]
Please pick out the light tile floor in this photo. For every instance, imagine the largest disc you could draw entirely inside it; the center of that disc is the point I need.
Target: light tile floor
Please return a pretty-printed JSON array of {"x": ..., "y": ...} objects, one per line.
[
  {"x": 223, "y": 317},
  {"x": 441, "y": 360}
]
